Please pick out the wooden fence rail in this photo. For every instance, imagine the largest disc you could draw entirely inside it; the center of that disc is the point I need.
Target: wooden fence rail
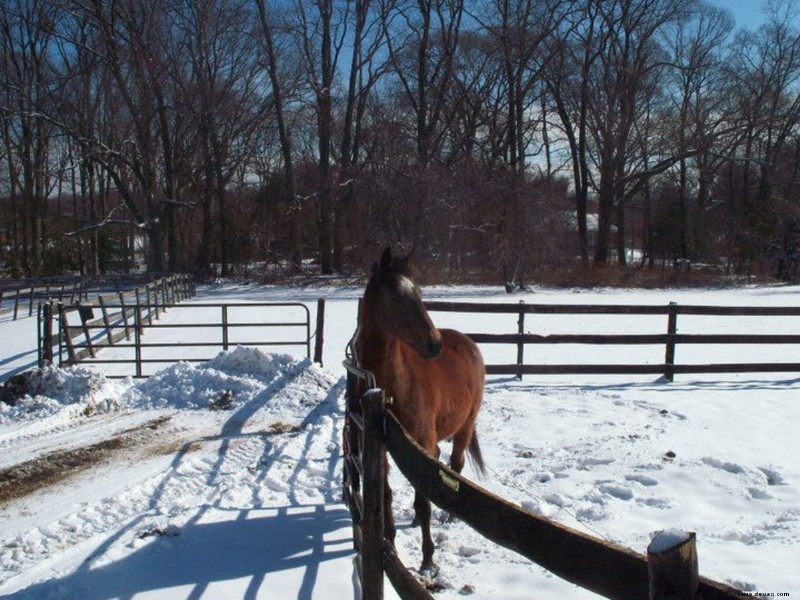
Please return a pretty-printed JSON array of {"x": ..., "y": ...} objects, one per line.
[
  {"x": 20, "y": 299},
  {"x": 600, "y": 566},
  {"x": 670, "y": 339}
]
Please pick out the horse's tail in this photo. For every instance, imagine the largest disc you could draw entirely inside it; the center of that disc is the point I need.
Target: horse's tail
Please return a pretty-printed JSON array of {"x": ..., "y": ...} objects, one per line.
[{"x": 475, "y": 456}]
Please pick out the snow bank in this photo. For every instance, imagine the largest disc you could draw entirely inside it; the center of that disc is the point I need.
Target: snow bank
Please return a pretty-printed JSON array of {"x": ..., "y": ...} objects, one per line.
[{"x": 70, "y": 392}]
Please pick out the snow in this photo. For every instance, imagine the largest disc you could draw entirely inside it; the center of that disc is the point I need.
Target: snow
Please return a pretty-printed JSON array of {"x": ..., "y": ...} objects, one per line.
[
  {"x": 667, "y": 540},
  {"x": 227, "y": 481}
]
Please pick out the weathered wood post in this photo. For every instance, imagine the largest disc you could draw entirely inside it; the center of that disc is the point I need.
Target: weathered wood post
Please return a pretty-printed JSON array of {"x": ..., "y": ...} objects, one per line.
[
  {"x": 155, "y": 305},
  {"x": 137, "y": 337},
  {"x": 106, "y": 321},
  {"x": 62, "y": 314},
  {"x": 225, "y": 327},
  {"x": 373, "y": 457},
  {"x": 124, "y": 315},
  {"x": 164, "y": 293},
  {"x": 149, "y": 305},
  {"x": 672, "y": 566},
  {"x": 16, "y": 304},
  {"x": 320, "y": 334},
  {"x": 672, "y": 329},
  {"x": 520, "y": 343},
  {"x": 84, "y": 315},
  {"x": 46, "y": 356}
]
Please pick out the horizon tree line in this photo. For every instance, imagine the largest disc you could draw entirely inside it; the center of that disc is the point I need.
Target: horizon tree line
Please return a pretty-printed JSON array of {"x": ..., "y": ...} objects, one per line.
[{"x": 499, "y": 136}]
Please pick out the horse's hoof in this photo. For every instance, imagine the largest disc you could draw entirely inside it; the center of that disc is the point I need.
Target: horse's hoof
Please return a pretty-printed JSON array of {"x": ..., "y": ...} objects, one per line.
[{"x": 429, "y": 571}]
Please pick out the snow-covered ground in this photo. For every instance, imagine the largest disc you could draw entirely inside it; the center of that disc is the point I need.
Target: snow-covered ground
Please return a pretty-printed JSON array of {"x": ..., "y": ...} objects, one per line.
[{"x": 222, "y": 479}]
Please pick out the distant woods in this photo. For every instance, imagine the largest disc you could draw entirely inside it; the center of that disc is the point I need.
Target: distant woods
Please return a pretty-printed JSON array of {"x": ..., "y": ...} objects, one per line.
[{"x": 499, "y": 139}]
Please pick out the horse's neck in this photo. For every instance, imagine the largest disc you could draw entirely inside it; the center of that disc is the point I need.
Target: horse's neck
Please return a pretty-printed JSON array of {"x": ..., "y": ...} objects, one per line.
[{"x": 378, "y": 353}]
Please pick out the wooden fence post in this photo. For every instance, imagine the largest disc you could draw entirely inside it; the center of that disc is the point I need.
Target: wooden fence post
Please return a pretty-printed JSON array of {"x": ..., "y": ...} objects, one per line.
[
  {"x": 137, "y": 337},
  {"x": 164, "y": 293},
  {"x": 149, "y": 305},
  {"x": 40, "y": 336},
  {"x": 16, "y": 304},
  {"x": 373, "y": 457},
  {"x": 320, "y": 334},
  {"x": 672, "y": 566},
  {"x": 86, "y": 333},
  {"x": 124, "y": 315},
  {"x": 106, "y": 321},
  {"x": 47, "y": 334},
  {"x": 225, "y": 327},
  {"x": 62, "y": 314},
  {"x": 155, "y": 299},
  {"x": 520, "y": 343},
  {"x": 672, "y": 329}
]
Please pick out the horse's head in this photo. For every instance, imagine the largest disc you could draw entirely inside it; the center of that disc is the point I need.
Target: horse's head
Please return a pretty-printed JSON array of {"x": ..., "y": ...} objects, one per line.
[{"x": 393, "y": 305}]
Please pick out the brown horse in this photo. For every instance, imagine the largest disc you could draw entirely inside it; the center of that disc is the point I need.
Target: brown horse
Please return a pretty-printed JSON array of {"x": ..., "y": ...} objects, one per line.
[{"x": 435, "y": 377}]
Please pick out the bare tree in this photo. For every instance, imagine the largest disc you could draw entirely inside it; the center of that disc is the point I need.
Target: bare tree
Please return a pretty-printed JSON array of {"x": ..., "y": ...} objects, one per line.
[
  {"x": 29, "y": 90},
  {"x": 365, "y": 71},
  {"x": 695, "y": 46},
  {"x": 277, "y": 82},
  {"x": 575, "y": 49},
  {"x": 130, "y": 39},
  {"x": 765, "y": 72},
  {"x": 220, "y": 91},
  {"x": 321, "y": 32}
]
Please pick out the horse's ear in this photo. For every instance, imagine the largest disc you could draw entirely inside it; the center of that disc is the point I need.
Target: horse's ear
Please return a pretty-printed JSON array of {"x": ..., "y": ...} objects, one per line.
[
  {"x": 387, "y": 260},
  {"x": 403, "y": 264}
]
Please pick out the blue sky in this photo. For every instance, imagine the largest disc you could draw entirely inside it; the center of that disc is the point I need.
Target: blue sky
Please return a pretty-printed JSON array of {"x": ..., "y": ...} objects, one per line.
[{"x": 748, "y": 13}]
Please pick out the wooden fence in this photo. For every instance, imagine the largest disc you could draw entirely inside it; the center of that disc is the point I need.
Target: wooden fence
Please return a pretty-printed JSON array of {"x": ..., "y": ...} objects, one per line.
[
  {"x": 71, "y": 332},
  {"x": 124, "y": 326},
  {"x": 19, "y": 298},
  {"x": 670, "y": 339},
  {"x": 602, "y": 567}
]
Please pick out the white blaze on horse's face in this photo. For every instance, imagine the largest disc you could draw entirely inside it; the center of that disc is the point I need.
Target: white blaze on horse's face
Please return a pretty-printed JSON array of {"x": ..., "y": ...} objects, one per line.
[
  {"x": 403, "y": 316},
  {"x": 406, "y": 286}
]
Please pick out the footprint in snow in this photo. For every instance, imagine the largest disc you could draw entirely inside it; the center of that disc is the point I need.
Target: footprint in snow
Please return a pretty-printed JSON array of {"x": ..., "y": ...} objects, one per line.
[
  {"x": 758, "y": 494},
  {"x": 722, "y": 465},
  {"x": 621, "y": 492},
  {"x": 773, "y": 477},
  {"x": 642, "y": 479}
]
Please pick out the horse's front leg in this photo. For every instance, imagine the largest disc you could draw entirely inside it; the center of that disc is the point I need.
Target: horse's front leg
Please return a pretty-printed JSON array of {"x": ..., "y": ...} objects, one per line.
[
  {"x": 415, "y": 520},
  {"x": 389, "y": 529},
  {"x": 422, "y": 509}
]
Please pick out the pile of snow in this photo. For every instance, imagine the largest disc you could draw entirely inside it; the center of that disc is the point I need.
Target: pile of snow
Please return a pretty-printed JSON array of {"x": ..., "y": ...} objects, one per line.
[
  {"x": 237, "y": 374},
  {"x": 68, "y": 392}
]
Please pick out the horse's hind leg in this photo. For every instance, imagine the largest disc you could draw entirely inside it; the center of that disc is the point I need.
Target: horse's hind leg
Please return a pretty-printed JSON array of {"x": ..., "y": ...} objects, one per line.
[
  {"x": 422, "y": 508},
  {"x": 460, "y": 442}
]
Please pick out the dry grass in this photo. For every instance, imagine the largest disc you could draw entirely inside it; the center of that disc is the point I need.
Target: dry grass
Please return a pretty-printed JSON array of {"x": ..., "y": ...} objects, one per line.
[{"x": 32, "y": 475}]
